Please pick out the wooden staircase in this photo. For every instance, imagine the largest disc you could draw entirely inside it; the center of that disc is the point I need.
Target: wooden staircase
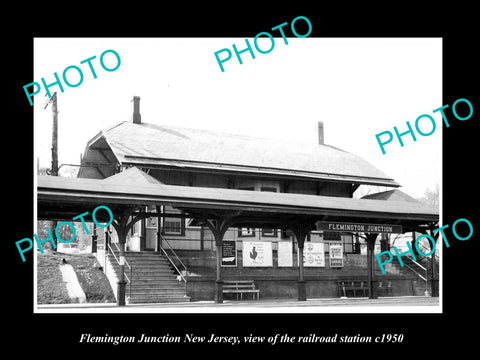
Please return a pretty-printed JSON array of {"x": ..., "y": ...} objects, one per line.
[{"x": 153, "y": 279}]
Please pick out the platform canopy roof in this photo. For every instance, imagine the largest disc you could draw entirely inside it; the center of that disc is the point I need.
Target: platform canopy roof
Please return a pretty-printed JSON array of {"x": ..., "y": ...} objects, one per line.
[
  {"x": 64, "y": 198},
  {"x": 148, "y": 145}
]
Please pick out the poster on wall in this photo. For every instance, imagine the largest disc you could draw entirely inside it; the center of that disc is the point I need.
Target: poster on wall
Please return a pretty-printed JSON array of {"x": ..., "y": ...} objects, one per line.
[
  {"x": 151, "y": 222},
  {"x": 285, "y": 257},
  {"x": 256, "y": 253},
  {"x": 229, "y": 253},
  {"x": 313, "y": 255},
  {"x": 336, "y": 255}
]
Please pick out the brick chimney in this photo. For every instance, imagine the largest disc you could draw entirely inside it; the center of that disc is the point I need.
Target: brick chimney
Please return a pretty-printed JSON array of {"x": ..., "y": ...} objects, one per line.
[
  {"x": 136, "y": 117},
  {"x": 321, "y": 138}
]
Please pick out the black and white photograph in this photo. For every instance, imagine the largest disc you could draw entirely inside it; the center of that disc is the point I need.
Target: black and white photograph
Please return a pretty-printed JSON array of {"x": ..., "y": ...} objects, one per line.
[{"x": 210, "y": 156}]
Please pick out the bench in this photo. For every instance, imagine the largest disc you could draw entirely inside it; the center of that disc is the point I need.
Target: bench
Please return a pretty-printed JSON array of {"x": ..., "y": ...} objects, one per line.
[
  {"x": 352, "y": 287},
  {"x": 241, "y": 287},
  {"x": 385, "y": 288}
]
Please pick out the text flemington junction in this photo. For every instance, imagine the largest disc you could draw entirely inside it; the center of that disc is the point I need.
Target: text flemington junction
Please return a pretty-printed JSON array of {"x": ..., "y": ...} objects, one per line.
[{"x": 359, "y": 227}]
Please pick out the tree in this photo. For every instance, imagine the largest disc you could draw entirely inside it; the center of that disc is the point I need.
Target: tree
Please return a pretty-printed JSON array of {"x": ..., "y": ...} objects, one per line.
[
  {"x": 431, "y": 197},
  {"x": 42, "y": 226}
]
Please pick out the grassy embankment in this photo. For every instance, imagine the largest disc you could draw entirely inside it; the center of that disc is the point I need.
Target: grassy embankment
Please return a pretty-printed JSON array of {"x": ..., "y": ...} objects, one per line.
[{"x": 52, "y": 289}]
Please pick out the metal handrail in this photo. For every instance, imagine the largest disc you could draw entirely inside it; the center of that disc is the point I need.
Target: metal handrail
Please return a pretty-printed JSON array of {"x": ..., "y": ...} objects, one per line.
[
  {"x": 118, "y": 249},
  {"x": 124, "y": 273},
  {"x": 416, "y": 262},
  {"x": 174, "y": 253},
  {"x": 420, "y": 276},
  {"x": 173, "y": 263}
]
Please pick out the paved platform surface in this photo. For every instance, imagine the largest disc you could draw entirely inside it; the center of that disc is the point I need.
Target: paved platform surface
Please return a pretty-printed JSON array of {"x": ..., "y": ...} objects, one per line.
[{"x": 350, "y": 305}]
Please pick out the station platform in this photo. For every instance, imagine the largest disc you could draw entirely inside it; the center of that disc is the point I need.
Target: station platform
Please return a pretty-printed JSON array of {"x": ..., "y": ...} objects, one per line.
[{"x": 391, "y": 304}]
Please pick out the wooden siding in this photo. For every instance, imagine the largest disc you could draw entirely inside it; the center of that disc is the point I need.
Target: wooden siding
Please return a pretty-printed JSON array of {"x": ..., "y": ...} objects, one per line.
[{"x": 307, "y": 187}]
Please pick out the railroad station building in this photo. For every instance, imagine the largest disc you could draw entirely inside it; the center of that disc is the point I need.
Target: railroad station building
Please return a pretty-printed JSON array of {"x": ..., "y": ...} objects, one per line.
[{"x": 201, "y": 215}]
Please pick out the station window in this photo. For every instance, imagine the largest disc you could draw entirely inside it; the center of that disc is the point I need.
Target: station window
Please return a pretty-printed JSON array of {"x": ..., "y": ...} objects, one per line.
[
  {"x": 350, "y": 246},
  {"x": 246, "y": 232},
  {"x": 174, "y": 226},
  {"x": 332, "y": 235},
  {"x": 268, "y": 188},
  {"x": 269, "y": 232}
]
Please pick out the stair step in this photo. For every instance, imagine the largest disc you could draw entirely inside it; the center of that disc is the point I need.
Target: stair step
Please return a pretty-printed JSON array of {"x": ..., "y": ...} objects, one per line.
[
  {"x": 158, "y": 300},
  {"x": 151, "y": 276},
  {"x": 152, "y": 284},
  {"x": 140, "y": 265},
  {"x": 159, "y": 297},
  {"x": 137, "y": 294},
  {"x": 153, "y": 279},
  {"x": 159, "y": 285},
  {"x": 146, "y": 267},
  {"x": 147, "y": 261},
  {"x": 156, "y": 291},
  {"x": 147, "y": 272},
  {"x": 154, "y": 275}
]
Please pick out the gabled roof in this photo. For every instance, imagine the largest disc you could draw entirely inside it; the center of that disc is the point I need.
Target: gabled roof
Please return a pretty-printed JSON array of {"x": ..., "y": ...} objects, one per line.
[
  {"x": 154, "y": 145},
  {"x": 132, "y": 175},
  {"x": 395, "y": 195}
]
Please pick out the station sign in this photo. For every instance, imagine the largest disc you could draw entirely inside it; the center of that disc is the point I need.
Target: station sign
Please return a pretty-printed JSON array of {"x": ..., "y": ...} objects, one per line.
[{"x": 359, "y": 227}]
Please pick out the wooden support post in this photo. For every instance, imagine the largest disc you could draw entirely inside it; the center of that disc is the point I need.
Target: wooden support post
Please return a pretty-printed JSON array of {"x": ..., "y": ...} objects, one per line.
[
  {"x": 121, "y": 283},
  {"x": 158, "y": 245},
  {"x": 301, "y": 230},
  {"x": 122, "y": 226},
  {"x": 434, "y": 291},
  {"x": 94, "y": 239},
  {"x": 302, "y": 286},
  {"x": 106, "y": 240},
  {"x": 218, "y": 228},
  {"x": 371, "y": 237},
  {"x": 218, "y": 280},
  {"x": 143, "y": 235}
]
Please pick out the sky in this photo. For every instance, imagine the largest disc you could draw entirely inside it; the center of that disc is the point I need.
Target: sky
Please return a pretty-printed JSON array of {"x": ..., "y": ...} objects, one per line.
[{"x": 358, "y": 87}]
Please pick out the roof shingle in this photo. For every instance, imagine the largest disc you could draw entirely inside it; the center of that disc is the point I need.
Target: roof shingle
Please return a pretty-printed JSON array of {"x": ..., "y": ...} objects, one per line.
[{"x": 138, "y": 144}]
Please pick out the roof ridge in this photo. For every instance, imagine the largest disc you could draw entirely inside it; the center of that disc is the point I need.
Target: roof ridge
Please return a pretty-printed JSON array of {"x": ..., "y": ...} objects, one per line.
[
  {"x": 111, "y": 127},
  {"x": 236, "y": 135}
]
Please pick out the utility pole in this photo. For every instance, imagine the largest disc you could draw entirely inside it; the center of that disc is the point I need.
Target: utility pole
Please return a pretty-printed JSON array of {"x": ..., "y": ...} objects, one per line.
[
  {"x": 53, "y": 100},
  {"x": 54, "y": 169}
]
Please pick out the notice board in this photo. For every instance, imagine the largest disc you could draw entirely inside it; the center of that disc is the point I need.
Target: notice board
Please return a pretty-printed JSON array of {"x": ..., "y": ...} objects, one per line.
[
  {"x": 313, "y": 255},
  {"x": 285, "y": 257},
  {"x": 229, "y": 253},
  {"x": 257, "y": 253}
]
